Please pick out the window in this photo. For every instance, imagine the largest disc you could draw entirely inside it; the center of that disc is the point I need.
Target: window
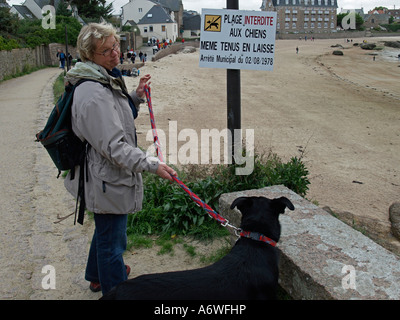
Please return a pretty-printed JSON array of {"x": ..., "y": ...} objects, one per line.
[
  {"x": 140, "y": 9},
  {"x": 145, "y": 29},
  {"x": 163, "y": 28},
  {"x": 151, "y": 28}
]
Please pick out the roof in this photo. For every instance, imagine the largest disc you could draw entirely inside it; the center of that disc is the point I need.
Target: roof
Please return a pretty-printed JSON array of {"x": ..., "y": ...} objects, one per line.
[
  {"x": 379, "y": 18},
  {"x": 42, "y": 3},
  {"x": 24, "y": 11},
  {"x": 157, "y": 14},
  {"x": 359, "y": 11},
  {"x": 173, "y": 5},
  {"x": 191, "y": 22}
]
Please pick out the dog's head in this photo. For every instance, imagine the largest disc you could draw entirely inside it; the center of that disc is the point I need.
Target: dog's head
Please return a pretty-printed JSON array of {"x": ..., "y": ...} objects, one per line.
[{"x": 260, "y": 214}]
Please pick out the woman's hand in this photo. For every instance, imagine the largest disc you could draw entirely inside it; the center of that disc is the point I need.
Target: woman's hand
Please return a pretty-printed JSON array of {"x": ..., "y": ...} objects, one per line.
[
  {"x": 143, "y": 81},
  {"x": 165, "y": 172}
]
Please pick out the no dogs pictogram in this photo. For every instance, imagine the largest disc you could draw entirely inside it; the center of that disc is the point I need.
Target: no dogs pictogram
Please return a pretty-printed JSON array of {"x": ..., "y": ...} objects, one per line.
[{"x": 212, "y": 23}]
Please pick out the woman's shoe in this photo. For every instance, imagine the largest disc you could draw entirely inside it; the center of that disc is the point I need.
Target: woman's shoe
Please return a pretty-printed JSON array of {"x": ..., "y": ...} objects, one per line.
[{"x": 96, "y": 287}]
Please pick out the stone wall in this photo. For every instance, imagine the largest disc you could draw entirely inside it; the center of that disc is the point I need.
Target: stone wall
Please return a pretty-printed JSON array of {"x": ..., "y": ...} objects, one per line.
[
  {"x": 322, "y": 257},
  {"x": 20, "y": 60}
]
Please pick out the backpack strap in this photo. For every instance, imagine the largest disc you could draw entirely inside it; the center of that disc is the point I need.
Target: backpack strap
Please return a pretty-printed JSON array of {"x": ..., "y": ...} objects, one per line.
[{"x": 83, "y": 173}]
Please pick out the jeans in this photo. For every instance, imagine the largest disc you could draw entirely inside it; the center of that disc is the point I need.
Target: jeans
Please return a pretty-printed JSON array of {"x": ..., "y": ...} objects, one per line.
[{"x": 105, "y": 263}]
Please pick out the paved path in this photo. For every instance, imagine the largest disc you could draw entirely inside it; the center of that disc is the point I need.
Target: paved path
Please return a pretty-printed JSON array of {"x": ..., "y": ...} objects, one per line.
[{"x": 30, "y": 199}]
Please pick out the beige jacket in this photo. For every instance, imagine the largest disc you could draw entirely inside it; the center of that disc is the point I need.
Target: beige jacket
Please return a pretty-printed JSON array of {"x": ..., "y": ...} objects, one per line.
[{"x": 101, "y": 115}]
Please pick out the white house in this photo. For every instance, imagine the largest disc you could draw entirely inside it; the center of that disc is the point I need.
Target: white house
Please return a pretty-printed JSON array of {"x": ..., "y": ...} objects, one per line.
[
  {"x": 135, "y": 10},
  {"x": 158, "y": 24}
]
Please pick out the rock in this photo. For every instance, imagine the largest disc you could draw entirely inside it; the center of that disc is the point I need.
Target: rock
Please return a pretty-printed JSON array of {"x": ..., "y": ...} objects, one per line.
[
  {"x": 368, "y": 46},
  {"x": 394, "y": 217},
  {"x": 337, "y": 46},
  {"x": 189, "y": 50},
  {"x": 337, "y": 53},
  {"x": 392, "y": 44}
]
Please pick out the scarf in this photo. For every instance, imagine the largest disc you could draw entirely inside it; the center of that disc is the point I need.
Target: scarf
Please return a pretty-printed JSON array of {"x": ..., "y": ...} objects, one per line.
[{"x": 93, "y": 71}]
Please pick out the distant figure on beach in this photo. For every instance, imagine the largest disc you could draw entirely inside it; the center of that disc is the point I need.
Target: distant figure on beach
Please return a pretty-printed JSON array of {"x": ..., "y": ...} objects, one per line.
[{"x": 297, "y": 50}]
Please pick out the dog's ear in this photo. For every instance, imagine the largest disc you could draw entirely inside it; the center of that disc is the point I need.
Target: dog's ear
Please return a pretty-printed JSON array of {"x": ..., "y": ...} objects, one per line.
[
  {"x": 280, "y": 204},
  {"x": 241, "y": 203}
]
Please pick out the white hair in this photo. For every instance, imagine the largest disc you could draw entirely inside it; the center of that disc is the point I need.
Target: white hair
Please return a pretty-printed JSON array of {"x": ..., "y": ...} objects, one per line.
[{"x": 90, "y": 35}]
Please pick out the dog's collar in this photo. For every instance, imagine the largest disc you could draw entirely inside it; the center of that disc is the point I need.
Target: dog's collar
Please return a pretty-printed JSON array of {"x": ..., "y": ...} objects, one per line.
[{"x": 257, "y": 236}]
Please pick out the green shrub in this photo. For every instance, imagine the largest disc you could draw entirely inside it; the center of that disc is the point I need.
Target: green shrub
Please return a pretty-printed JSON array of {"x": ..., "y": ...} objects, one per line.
[
  {"x": 8, "y": 44},
  {"x": 168, "y": 209}
]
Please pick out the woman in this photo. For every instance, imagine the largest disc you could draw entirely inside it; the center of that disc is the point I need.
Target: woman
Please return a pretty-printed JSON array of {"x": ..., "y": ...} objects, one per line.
[{"x": 103, "y": 114}]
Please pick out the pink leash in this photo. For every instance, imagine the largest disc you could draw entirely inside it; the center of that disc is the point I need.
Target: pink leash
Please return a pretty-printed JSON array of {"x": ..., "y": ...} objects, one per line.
[
  {"x": 192, "y": 195},
  {"x": 240, "y": 233}
]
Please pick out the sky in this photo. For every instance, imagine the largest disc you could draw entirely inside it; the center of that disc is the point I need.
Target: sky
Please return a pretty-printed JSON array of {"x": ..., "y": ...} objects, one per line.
[{"x": 197, "y": 5}]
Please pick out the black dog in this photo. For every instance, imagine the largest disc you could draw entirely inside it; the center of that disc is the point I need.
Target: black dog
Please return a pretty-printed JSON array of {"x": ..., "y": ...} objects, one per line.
[{"x": 249, "y": 271}]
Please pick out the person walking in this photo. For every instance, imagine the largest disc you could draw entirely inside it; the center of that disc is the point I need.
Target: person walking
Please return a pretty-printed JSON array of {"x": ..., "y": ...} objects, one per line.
[
  {"x": 103, "y": 114},
  {"x": 62, "y": 59}
]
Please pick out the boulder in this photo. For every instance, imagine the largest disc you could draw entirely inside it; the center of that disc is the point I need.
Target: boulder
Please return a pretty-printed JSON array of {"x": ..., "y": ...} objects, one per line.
[
  {"x": 368, "y": 46},
  {"x": 337, "y": 53},
  {"x": 392, "y": 44}
]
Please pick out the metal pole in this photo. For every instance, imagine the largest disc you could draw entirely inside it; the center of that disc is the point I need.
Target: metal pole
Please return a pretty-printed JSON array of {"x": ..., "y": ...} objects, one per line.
[
  {"x": 233, "y": 94},
  {"x": 66, "y": 48}
]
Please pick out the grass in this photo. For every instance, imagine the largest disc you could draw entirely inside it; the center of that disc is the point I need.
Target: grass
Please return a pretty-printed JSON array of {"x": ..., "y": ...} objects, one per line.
[
  {"x": 58, "y": 87},
  {"x": 167, "y": 209}
]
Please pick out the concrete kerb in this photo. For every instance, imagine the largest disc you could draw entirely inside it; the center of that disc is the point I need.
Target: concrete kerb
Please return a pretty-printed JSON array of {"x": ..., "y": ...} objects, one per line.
[{"x": 322, "y": 257}]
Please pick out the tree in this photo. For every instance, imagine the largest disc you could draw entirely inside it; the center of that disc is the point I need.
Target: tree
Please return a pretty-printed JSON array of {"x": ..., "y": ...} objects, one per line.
[
  {"x": 9, "y": 21},
  {"x": 381, "y": 8},
  {"x": 62, "y": 10},
  {"x": 359, "y": 20},
  {"x": 93, "y": 9}
]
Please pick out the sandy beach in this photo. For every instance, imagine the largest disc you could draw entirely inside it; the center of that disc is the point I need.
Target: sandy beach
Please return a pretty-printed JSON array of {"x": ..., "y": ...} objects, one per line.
[{"x": 340, "y": 113}]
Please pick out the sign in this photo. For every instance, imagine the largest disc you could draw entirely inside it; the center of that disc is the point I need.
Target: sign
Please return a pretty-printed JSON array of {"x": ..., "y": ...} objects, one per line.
[{"x": 237, "y": 39}]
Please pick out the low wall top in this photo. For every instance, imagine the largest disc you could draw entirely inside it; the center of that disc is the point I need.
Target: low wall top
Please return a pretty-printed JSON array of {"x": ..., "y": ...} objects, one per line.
[{"x": 322, "y": 257}]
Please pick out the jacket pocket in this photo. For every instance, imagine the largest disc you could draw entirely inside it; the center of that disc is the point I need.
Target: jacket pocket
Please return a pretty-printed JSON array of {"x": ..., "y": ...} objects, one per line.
[{"x": 113, "y": 175}]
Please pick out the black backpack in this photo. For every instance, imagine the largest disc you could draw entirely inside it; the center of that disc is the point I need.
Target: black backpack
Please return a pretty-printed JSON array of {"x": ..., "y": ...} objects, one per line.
[{"x": 64, "y": 147}]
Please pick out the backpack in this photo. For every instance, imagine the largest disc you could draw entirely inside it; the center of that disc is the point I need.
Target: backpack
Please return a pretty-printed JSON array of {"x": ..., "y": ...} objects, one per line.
[{"x": 64, "y": 147}]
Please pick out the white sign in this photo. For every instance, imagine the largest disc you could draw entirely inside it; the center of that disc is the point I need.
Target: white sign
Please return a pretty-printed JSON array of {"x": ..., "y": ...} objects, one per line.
[{"x": 237, "y": 39}]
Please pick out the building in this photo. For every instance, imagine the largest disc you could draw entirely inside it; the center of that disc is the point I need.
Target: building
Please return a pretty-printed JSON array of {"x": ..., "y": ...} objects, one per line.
[
  {"x": 395, "y": 13},
  {"x": 374, "y": 20},
  {"x": 303, "y": 16},
  {"x": 135, "y": 10},
  {"x": 32, "y": 9},
  {"x": 356, "y": 11},
  {"x": 157, "y": 24},
  {"x": 191, "y": 24}
]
